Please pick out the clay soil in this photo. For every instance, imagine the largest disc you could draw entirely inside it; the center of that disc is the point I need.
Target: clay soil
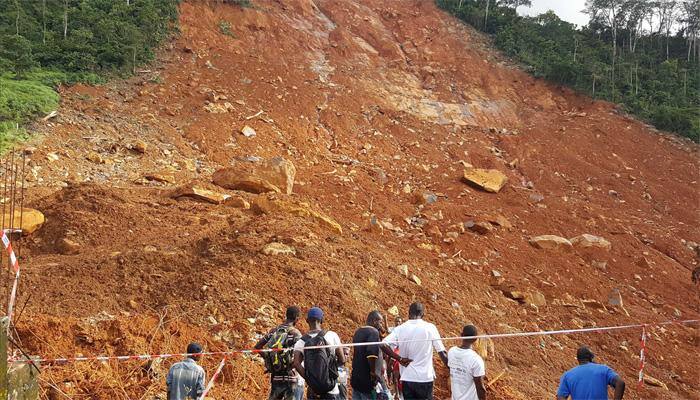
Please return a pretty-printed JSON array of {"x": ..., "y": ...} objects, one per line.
[{"x": 375, "y": 102}]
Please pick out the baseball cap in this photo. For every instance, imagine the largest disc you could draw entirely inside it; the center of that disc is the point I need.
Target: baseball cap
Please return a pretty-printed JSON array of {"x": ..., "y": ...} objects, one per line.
[{"x": 315, "y": 313}]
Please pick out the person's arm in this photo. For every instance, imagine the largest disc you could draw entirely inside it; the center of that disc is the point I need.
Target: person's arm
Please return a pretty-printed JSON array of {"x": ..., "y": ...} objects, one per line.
[
  {"x": 340, "y": 356},
  {"x": 391, "y": 354},
  {"x": 263, "y": 341},
  {"x": 563, "y": 392},
  {"x": 480, "y": 387},
  {"x": 619, "y": 386},
  {"x": 372, "y": 360},
  {"x": 168, "y": 383},
  {"x": 443, "y": 357},
  {"x": 297, "y": 363},
  {"x": 437, "y": 344}
]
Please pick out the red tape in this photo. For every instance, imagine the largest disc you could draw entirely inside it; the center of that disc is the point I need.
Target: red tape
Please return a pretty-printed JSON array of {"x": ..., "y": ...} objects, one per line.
[{"x": 15, "y": 267}]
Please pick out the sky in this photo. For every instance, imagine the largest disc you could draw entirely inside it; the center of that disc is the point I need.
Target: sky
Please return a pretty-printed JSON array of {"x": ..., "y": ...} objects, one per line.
[{"x": 568, "y": 10}]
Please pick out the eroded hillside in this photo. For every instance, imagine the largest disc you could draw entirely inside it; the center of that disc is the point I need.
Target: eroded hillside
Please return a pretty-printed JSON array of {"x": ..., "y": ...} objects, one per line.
[{"x": 379, "y": 105}]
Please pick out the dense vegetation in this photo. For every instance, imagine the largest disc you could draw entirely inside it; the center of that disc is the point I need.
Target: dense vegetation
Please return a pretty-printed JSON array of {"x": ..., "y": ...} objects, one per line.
[
  {"x": 641, "y": 54},
  {"x": 44, "y": 43}
]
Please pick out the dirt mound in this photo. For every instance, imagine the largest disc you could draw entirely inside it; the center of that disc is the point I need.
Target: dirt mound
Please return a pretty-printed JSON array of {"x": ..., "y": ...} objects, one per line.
[{"x": 380, "y": 108}]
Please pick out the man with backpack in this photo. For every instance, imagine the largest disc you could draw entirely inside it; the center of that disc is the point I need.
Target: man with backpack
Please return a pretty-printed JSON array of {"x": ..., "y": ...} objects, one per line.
[
  {"x": 319, "y": 366},
  {"x": 278, "y": 363}
]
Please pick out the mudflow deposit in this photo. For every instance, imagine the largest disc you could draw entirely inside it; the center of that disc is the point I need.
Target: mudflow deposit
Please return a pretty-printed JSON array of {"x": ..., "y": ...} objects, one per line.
[{"x": 352, "y": 154}]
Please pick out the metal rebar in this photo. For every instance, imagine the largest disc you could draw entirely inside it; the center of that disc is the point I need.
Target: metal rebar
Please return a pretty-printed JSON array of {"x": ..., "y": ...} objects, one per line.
[
  {"x": 21, "y": 207},
  {"x": 2, "y": 251}
]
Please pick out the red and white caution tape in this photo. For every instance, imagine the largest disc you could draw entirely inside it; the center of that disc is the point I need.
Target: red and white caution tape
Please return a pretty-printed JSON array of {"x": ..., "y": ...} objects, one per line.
[
  {"x": 15, "y": 268},
  {"x": 642, "y": 355},
  {"x": 256, "y": 351},
  {"x": 213, "y": 378}
]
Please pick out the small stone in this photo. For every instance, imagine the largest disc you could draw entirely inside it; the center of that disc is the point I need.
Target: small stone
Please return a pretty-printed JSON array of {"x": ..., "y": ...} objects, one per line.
[
  {"x": 162, "y": 178},
  {"x": 68, "y": 247},
  {"x": 394, "y": 310},
  {"x": 515, "y": 295},
  {"x": 535, "y": 298},
  {"x": 52, "y": 157},
  {"x": 139, "y": 146},
  {"x": 615, "y": 298},
  {"x": 482, "y": 228},
  {"x": 278, "y": 249},
  {"x": 133, "y": 304},
  {"x": 651, "y": 381},
  {"x": 403, "y": 269},
  {"x": 496, "y": 278},
  {"x": 416, "y": 280},
  {"x": 237, "y": 202},
  {"x": 198, "y": 193},
  {"x": 247, "y": 131},
  {"x": 425, "y": 198},
  {"x": 643, "y": 262},
  {"x": 95, "y": 157},
  {"x": 586, "y": 241},
  {"x": 536, "y": 197},
  {"x": 551, "y": 242},
  {"x": 593, "y": 304},
  {"x": 489, "y": 180},
  {"x": 501, "y": 221},
  {"x": 601, "y": 265}
]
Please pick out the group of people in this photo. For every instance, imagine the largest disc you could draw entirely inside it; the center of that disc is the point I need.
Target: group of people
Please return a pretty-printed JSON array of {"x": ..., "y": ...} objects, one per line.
[{"x": 387, "y": 364}]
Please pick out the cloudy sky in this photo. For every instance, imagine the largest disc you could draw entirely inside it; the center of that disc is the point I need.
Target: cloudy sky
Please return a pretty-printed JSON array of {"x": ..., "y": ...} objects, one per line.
[{"x": 568, "y": 10}]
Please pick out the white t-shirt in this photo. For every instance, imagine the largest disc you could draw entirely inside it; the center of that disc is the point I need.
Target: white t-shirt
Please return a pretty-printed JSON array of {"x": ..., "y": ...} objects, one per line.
[
  {"x": 422, "y": 337},
  {"x": 464, "y": 365},
  {"x": 332, "y": 339}
]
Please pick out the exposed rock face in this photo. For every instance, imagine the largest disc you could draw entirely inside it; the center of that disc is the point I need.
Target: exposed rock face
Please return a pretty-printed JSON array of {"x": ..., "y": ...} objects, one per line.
[
  {"x": 551, "y": 242},
  {"x": 490, "y": 180},
  {"x": 265, "y": 205},
  {"x": 586, "y": 241},
  {"x": 276, "y": 175}
]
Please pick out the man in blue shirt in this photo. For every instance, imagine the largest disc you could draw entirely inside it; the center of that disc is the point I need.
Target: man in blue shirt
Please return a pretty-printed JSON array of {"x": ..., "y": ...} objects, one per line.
[
  {"x": 589, "y": 381},
  {"x": 185, "y": 379}
]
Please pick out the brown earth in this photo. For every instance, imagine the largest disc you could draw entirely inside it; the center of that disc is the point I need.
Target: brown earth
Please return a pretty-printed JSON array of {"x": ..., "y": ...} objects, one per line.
[{"x": 375, "y": 103}]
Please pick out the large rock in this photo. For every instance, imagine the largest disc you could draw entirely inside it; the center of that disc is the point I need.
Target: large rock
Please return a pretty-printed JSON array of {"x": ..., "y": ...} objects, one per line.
[
  {"x": 551, "y": 242},
  {"x": 267, "y": 205},
  {"x": 198, "y": 193},
  {"x": 490, "y": 180},
  {"x": 30, "y": 220},
  {"x": 586, "y": 241},
  {"x": 276, "y": 175}
]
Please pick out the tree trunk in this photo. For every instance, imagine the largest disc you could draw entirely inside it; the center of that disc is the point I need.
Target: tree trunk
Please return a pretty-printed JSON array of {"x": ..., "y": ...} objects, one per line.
[
  {"x": 43, "y": 17},
  {"x": 17, "y": 18},
  {"x": 575, "y": 47},
  {"x": 65, "y": 19},
  {"x": 486, "y": 17}
]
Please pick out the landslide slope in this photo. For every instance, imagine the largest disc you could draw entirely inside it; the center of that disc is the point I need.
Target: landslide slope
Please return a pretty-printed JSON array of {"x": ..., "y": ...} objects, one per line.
[{"x": 375, "y": 103}]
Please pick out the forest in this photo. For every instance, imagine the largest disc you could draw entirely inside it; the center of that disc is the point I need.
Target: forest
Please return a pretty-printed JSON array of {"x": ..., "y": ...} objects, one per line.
[
  {"x": 44, "y": 43},
  {"x": 640, "y": 54}
]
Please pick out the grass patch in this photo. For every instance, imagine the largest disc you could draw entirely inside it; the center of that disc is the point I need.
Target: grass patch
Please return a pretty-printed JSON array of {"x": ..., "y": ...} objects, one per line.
[{"x": 225, "y": 28}]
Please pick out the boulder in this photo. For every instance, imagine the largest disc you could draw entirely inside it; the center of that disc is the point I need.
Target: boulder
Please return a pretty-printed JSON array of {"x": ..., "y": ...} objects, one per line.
[
  {"x": 278, "y": 249},
  {"x": 552, "y": 242},
  {"x": 276, "y": 175},
  {"x": 30, "y": 219},
  {"x": 199, "y": 193},
  {"x": 586, "y": 241},
  {"x": 490, "y": 180},
  {"x": 267, "y": 205}
]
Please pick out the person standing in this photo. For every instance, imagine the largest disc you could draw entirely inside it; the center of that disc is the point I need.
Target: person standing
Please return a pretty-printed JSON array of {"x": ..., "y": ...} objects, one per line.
[
  {"x": 366, "y": 362},
  {"x": 319, "y": 366},
  {"x": 467, "y": 369},
  {"x": 278, "y": 363},
  {"x": 589, "y": 381},
  {"x": 185, "y": 379},
  {"x": 417, "y": 340}
]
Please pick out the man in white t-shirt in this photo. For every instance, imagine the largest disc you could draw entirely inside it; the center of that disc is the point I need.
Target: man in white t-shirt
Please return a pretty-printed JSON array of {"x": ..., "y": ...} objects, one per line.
[
  {"x": 467, "y": 369},
  {"x": 334, "y": 355},
  {"x": 417, "y": 339}
]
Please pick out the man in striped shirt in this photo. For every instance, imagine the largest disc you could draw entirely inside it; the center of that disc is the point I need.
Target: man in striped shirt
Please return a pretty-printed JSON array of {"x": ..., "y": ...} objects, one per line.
[{"x": 186, "y": 379}]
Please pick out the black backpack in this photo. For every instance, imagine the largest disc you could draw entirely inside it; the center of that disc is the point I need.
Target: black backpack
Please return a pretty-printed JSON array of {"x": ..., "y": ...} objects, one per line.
[
  {"x": 321, "y": 365},
  {"x": 278, "y": 360}
]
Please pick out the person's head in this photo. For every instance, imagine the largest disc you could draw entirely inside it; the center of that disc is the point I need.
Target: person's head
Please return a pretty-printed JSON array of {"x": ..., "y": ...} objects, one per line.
[
  {"x": 194, "y": 350},
  {"x": 314, "y": 317},
  {"x": 293, "y": 314},
  {"x": 416, "y": 311},
  {"x": 469, "y": 330},
  {"x": 375, "y": 319},
  {"x": 584, "y": 355}
]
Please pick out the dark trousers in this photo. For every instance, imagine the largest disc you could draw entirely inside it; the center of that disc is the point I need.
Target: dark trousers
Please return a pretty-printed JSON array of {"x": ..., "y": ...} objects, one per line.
[{"x": 417, "y": 390}]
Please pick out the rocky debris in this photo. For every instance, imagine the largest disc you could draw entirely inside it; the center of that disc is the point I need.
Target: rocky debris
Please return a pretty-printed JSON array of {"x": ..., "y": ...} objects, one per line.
[
  {"x": 595, "y": 304},
  {"x": 515, "y": 295},
  {"x": 199, "y": 193},
  {"x": 416, "y": 280},
  {"x": 139, "y": 146},
  {"x": 599, "y": 264},
  {"x": 160, "y": 177},
  {"x": 651, "y": 381},
  {"x": 551, "y": 242},
  {"x": 276, "y": 175},
  {"x": 535, "y": 298},
  {"x": 218, "y": 108},
  {"x": 394, "y": 311},
  {"x": 237, "y": 202},
  {"x": 482, "y": 228},
  {"x": 489, "y": 180},
  {"x": 536, "y": 197},
  {"x": 67, "y": 246},
  {"x": 247, "y": 131},
  {"x": 643, "y": 262},
  {"x": 278, "y": 249},
  {"x": 374, "y": 225},
  {"x": 96, "y": 158},
  {"x": 424, "y": 198},
  {"x": 496, "y": 278},
  {"x": 52, "y": 157},
  {"x": 586, "y": 241},
  {"x": 265, "y": 205},
  {"x": 31, "y": 220}
]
